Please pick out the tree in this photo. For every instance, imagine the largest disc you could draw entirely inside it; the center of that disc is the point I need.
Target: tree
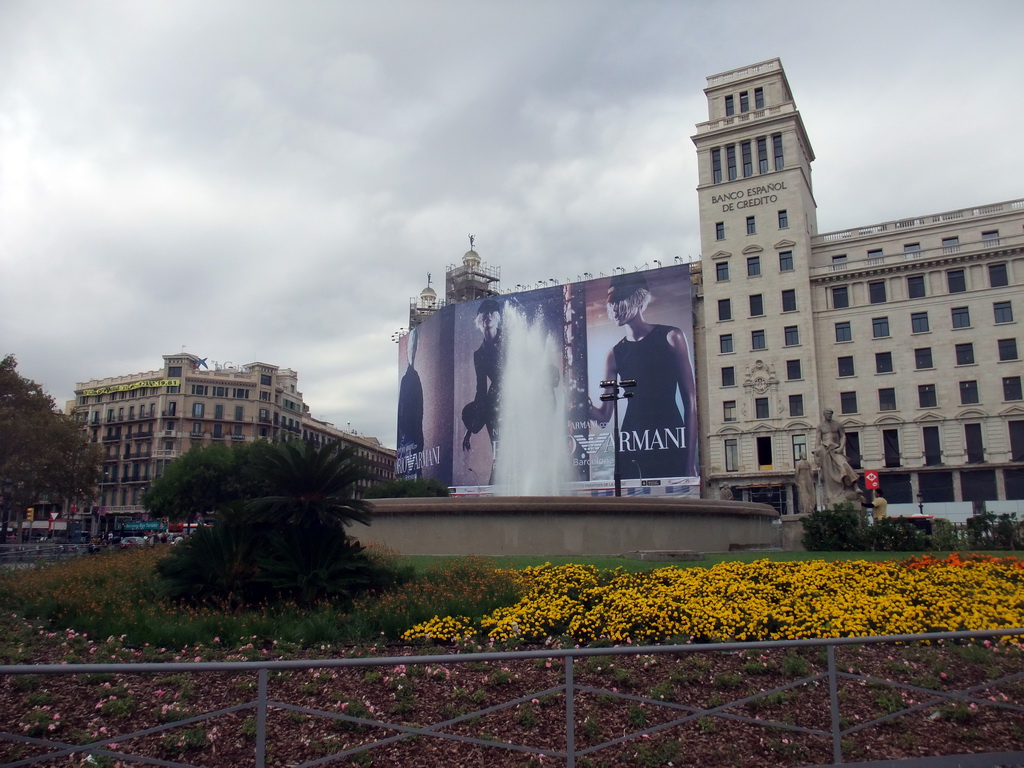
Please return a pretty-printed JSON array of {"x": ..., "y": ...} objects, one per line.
[
  {"x": 206, "y": 479},
  {"x": 311, "y": 487},
  {"x": 42, "y": 451},
  {"x": 402, "y": 489}
]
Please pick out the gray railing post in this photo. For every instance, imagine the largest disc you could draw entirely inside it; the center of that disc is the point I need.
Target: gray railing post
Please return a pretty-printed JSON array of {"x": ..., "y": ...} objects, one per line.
[
  {"x": 833, "y": 696},
  {"x": 261, "y": 719},
  {"x": 570, "y": 715}
]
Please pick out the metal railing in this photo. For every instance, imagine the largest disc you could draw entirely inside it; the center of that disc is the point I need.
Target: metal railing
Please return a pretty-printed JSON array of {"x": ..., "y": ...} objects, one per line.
[
  {"x": 21, "y": 554},
  {"x": 830, "y": 677}
]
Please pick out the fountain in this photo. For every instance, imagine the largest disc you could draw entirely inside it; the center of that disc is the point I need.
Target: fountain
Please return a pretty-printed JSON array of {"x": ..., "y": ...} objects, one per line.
[{"x": 533, "y": 459}]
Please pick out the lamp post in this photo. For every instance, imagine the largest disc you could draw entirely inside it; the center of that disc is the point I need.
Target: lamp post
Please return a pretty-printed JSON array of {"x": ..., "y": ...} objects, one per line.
[
  {"x": 8, "y": 489},
  {"x": 920, "y": 503},
  {"x": 617, "y": 392}
]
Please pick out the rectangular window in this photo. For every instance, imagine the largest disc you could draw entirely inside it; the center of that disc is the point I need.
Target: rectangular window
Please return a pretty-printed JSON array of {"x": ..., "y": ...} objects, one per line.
[
  {"x": 961, "y": 317},
  {"x": 732, "y": 455},
  {"x": 883, "y": 362},
  {"x": 1007, "y": 349},
  {"x": 197, "y": 428},
  {"x": 218, "y": 411},
  {"x": 777, "y": 150},
  {"x": 757, "y": 340},
  {"x": 720, "y": 230},
  {"x": 785, "y": 261},
  {"x": 847, "y": 402},
  {"x": 725, "y": 343},
  {"x": 793, "y": 370},
  {"x": 751, "y": 226},
  {"x": 722, "y": 271},
  {"x": 730, "y": 105},
  {"x": 762, "y": 155},
  {"x": 754, "y": 266},
  {"x": 839, "y": 262},
  {"x": 198, "y": 409},
  {"x": 756, "y": 305},
  {"x": 990, "y": 238},
  {"x": 789, "y": 300},
  {"x": 951, "y": 245},
  {"x": 744, "y": 101},
  {"x": 853, "y": 449},
  {"x": 997, "y": 276},
  {"x": 218, "y": 430},
  {"x": 240, "y": 394},
  {"x": 843, "y": 331},
  {"x": 926, "y": 397},
  {"x": 761, "y": 408},
  {"x": 875, "y": 256},
  {"x": 747, "y": 156},
  {"x": 759, "y": 98},
  {"x": 174, "y": 371},
  {"x": 1011, "y": 388},
  {"x": 915, "y": 287},
  {"x": 880, "y": 327},
  {"x": 724, "y": 309},
  {"x": 876, "y": 292},
  {"x": 716, "y": 165},
  {"x": 220, "y": 391},
  {"x": 199, "y": 389},
  {"x": 891, "y": 447},
  {"x": 845, "y": 365},
  {"x": 792, "y": 334},
  {"x": 975, "y": 444},
  {"x": 239, "y": 412},
  {"x": 728, "y": 376},
  {"x": 919, "y": 322},
  {"x": 729, "y": 410},
  {"x": 840, "y": 297},
  {"x": 799, "y": 448},
  {"x": 913, "y": 249},
  {"x": 964, "y": 353},
  {"x": 730, "y": 161},
  {"x": 1003, "y": 312},
  {"x": 796, "y": 405},
  {"x": 1016, "y": 440},
  {"x": 932, "y": 446},
  {"x": 956, "y": 281},
  {"x": 968, "y": 392},
  {"x": 265, "y": 380},
  {"x": 887, "y": 399},
  {"x": 783, "y": 219}
]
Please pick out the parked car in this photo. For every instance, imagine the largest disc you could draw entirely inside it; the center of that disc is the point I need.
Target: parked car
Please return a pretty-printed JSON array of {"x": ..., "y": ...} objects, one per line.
[{"x": 133, "y": 541}]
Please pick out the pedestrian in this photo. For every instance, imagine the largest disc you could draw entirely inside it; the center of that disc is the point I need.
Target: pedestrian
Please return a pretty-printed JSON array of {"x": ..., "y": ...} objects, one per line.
[{"x": 880, "y": 507}]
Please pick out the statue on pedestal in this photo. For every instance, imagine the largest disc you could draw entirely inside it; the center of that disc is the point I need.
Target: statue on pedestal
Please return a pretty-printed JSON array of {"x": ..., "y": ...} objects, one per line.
[
  {"x": 805, "y": 486},
  {"x": 837, "y": 477}
]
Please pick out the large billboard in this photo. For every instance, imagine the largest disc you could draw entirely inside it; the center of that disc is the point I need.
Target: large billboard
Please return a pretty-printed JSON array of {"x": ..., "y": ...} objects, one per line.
[{"x": 503, "y": 395}]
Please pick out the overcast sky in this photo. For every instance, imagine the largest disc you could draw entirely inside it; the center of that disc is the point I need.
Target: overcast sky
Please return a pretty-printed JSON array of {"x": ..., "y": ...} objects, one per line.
[{"x": 273, "y": 181}]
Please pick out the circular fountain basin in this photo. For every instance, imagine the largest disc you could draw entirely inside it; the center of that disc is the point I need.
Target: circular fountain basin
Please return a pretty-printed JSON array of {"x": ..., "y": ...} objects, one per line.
[{"x": 568, "y": 525}]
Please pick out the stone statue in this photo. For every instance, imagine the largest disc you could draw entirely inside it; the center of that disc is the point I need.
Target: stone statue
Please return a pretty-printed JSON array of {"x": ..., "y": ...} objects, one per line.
[
  {"x": 725, "y": 492},
  {"x": 837, "y": 476},
  {"x": 805, "y": 490}
]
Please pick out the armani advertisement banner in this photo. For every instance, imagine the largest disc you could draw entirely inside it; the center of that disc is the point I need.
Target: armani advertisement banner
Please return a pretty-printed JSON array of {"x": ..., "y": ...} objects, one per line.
[{"x": 503, "y": 395}]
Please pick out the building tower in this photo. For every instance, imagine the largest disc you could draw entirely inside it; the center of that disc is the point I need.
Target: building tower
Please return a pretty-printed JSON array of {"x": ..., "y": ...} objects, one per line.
[
  {"x": 757, "y": 218},
  {"x": 473, "y": 280}
]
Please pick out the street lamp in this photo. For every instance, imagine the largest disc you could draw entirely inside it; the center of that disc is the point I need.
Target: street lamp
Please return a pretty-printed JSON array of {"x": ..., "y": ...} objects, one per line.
[
  {"x": 920, "y": 503},
  {"x": 8, "y": 489},
  {"x": 617, "y": 393}
]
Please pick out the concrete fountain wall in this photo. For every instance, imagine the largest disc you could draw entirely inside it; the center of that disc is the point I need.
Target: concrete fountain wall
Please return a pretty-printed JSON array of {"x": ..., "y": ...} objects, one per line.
[{"x": 568, "y": 525}]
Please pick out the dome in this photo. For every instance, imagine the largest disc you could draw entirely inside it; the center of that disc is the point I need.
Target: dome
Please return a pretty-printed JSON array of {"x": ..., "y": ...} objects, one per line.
[
  {"x": 428, "y": 297},
  {"x": 471, "y": 258}
]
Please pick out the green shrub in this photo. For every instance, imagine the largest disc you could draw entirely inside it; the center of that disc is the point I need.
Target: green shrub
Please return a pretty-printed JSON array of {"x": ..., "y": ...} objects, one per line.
[
  {"x": 894, "y": 535},
  {"x": 838, "y": 529}
]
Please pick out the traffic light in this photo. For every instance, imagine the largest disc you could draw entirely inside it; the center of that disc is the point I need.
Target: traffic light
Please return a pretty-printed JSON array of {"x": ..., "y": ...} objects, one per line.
[{"x": 30, "y": 514}]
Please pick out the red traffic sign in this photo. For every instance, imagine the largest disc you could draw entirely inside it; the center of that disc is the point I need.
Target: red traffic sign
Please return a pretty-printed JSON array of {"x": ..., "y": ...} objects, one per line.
[{"x": 870, "y": 479}]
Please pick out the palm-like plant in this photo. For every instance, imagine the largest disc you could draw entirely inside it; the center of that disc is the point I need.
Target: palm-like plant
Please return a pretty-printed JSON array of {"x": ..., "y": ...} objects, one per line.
[{"x": 311, "y": 487}]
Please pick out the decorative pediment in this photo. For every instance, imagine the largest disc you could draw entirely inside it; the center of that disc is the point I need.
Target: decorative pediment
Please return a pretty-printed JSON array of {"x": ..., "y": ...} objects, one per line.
[
  {"x": 929, "y": 416},
  {"x": 762, "y": 429},
  {"x": 892, "y": 420},
  {"x": 1013, "y": 410},
  {"x": 972, "y": 413},
  {"x": 799, "y": 426},
  {"x": 752, "y": 248},
  {"x": 853, "y": 423},
  {"x": 719, "y": 255},
  {"x": 784, "y": 245},
  {"x": 760, "y": 377},
  {"x": 730, "y": 430}
]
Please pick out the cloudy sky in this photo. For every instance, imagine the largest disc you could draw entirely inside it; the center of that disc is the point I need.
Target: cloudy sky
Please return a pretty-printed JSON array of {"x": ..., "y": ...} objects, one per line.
[{"x": 251, "y": 180}]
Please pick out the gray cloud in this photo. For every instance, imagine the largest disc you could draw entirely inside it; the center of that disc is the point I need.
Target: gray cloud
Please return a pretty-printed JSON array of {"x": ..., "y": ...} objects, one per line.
[{"x": 273, "y": 181}]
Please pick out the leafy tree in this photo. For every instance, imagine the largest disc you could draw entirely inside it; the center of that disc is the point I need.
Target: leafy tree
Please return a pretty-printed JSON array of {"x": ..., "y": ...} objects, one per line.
[
  {"x": 402, "y": 489},
  {"x": 208, "y": 479},
  {"x": 42, "y": 451},
  {"x": 310, "y": 487}
]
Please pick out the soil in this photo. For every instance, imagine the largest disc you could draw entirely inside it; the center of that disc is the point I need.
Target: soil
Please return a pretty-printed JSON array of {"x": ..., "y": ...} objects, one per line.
[{"x": 655, "y": 699}]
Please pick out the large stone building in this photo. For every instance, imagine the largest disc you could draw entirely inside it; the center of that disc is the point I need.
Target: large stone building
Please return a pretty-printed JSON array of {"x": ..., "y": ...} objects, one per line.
[
  {"x": 145, "y": 421},
  {"x": 907, "y": 328}
]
